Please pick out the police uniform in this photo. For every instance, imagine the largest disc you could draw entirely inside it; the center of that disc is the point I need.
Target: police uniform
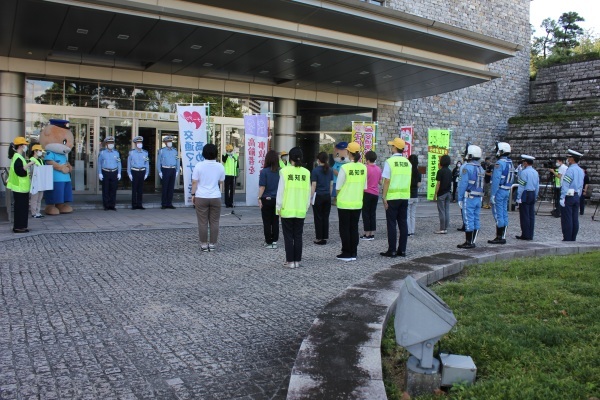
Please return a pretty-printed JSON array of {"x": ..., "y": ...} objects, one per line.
[
  {"x": 570, "y": 191},
  {"x": 109, "y": 173},
  {"x": 470, "y": 195},
  {"x": 167, "y": 165},
  {"x": 231, "y": 171},
  {"x": 350, "y": 185},
  {"x": 502, "y": 180},
  {"x": 527, "y": 193},
  {"x": 398, "y": 170},
  {"x": 138, "y": 169}
]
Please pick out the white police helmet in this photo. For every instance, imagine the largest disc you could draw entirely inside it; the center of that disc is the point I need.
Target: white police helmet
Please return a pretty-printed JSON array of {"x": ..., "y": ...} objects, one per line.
[
  {"x": 502, "y": 148},
  {"x": 473, "y": 152}
]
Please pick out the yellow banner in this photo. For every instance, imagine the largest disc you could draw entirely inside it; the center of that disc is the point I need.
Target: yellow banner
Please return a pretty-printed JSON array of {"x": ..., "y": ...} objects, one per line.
[
  {"x": 364, "y": 133},
  {"x": 438, "y": 145}
]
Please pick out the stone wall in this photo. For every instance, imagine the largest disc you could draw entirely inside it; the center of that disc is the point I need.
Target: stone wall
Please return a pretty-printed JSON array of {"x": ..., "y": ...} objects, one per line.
[
  {"x": 480, "y": 113},
  {"x": 568, "y": 98}
]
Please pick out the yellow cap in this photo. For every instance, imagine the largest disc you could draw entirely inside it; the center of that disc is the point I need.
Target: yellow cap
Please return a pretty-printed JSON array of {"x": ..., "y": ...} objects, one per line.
[
  {"x": 229, "y": 147},
  {"x": 283, "y": 153},
  {"x": 353, "y": 147},
  {"x": 20, "y": 140},
  {"x": 398, "y": 143},
  {"x": 37, "y": 147}
]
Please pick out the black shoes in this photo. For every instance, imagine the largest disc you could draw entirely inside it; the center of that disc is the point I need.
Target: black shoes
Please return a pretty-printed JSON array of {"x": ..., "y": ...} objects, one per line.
[
  {"x": 171, "y": 207},
  {"x": 21, "y": 230},
  {"x": 320, "y": 242},
  {"x": 522, "y": 238},
  {"x": 138, "y": 208},
  {"x": 391, "y": 254},
  {"x": 469, "y": 241}
]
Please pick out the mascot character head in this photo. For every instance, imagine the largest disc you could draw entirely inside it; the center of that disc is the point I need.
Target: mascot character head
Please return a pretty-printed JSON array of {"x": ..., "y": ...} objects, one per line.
[{"x": 341, "y": 152}]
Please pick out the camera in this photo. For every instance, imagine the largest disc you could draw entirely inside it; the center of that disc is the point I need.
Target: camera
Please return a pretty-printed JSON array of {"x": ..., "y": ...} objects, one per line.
[{"x": 549, "y": 164}]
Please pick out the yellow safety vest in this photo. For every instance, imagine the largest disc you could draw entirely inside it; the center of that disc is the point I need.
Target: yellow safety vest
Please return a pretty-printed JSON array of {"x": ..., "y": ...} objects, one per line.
[
  {"x": 556, "y": 180},
  {"x": 16, "y": 183},
  {"x": 351, "y": 193},
  {"x": 400, "y": 176},
  {"x": 230, "y": 166},
  {"x": 282, "y": 165},
  {"x": 296, "y": 191}
]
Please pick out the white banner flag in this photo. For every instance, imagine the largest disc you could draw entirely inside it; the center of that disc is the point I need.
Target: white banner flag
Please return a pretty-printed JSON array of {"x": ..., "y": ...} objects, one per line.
[
  {"x": 257, "y": 133},
  {"x": 192, "y": 137}
]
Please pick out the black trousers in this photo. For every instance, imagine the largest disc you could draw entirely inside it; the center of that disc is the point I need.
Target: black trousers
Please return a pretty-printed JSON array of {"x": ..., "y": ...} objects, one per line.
[
  {"x": 527, "y": 214},
  {"x": 229, "y": 190},
  {"x": 20, "y": 210},
  {"x": 396, "y": 215},
  {"x": 270, "y": 220},
  {"x": 109, "y": 188},
  {"x": 349, "y": 231},
  {"x": 321, "y": 211},
  {"x": 369, "y": 211},
  {"x": 569, "y": 218},
  {"x": 137, "y": 187},
  {"x": 557, "y": 207},
  {"x": 292, "y": 237},
  {"x": 581, "y": 204},
  {"x": 168, "y": 186}
]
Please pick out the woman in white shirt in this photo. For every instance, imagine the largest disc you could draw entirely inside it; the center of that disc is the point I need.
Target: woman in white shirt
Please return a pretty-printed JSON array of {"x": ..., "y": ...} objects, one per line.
[{"x": 207, "y": 180}]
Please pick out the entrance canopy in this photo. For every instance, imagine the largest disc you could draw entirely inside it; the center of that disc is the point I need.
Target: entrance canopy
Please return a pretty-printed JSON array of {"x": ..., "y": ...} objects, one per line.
[{"x": 344, "y": 47}]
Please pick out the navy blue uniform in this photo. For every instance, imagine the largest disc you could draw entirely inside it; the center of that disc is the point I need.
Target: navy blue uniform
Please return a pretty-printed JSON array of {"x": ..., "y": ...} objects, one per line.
[
  {"x": 570, "y": 191},
  {"x": 167, "y": 165},
  {"x": 109, "y": 163},
  {"x": 138, "y": 168},
  {"x": 527, "y": 193}
]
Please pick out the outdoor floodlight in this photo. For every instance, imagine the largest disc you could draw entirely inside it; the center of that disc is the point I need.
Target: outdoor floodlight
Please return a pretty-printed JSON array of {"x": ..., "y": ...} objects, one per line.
[{"x": 422, "y": 318}]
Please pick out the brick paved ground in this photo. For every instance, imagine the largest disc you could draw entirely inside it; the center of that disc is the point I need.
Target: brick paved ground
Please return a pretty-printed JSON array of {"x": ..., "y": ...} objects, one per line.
[{"x": 145, "y": 314}]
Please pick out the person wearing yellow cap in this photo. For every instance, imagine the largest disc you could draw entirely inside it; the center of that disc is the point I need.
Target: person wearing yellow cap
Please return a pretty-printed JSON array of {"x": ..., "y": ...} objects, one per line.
[
  {"x": 283, "y": 159},
  {"x": 35, "y": 199},
  {"x": 397, "y": 176},
  {"x": 230, "y": 161},
  {"x": 350, "y": 186},
  {"x": 19, "y": 182}
]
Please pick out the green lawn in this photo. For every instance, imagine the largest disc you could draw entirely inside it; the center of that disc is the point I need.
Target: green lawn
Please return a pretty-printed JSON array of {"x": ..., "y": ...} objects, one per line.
[{"x": 531, "y": 325}]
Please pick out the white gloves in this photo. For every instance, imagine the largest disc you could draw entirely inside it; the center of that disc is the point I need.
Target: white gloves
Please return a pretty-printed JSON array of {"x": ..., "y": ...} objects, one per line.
[
  {"x": 160, "y": 175},
  {"x": 562, "y": 202},
  {"x": 493, "y": 200},
  {"x": 100, "y": 176},
  {"x": 145, "y": 177},
  {"x": 130, "y": 177},
  {"x": 460, "y": 204},
  {"x": 118, "y": 177},
  {"x": 518, "y": 201}
]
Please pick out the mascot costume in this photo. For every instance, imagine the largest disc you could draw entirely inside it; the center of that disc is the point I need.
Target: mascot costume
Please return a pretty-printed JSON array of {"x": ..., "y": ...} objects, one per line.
[
  {"x": 57, "y": 139},
  {"x": 340, "y": 158}
]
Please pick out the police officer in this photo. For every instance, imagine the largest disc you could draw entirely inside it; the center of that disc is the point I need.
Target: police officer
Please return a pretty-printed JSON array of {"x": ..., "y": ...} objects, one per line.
[
  {"x": 502, "y": 180},
  {"x": 350, "y": 186},
  {"x": 397, "y": 175},
  {"x": 231, "y": 170},
  {"x": 527, "y": 193},
  {"x": 470, "y": 194},
  {"x": 138, "y": 169},
  {"x": 109, "y": 173},
  {"x": 283, "y": 159},
  {"x": 167, "y": 166},
  {"x": 570, "y": 191}
]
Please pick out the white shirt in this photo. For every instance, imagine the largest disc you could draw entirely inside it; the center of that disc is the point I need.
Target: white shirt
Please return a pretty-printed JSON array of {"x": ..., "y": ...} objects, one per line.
[
  {"x": 208, "y": 174},
  {"x": 341, "y": 179},
  {"x": 387, "y": 172},
  {"x": 562, "y": 170}
]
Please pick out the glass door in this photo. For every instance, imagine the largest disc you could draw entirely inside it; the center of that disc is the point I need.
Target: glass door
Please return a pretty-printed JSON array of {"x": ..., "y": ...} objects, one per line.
[
  {"x": 82, "y": 156},
  {"x": 121, "y": 129}
]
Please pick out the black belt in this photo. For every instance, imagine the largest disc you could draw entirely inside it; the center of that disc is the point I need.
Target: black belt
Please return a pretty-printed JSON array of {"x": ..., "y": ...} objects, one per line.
[
  {"x": 109, "y": 170},
  {"x": 138, "y": 169}
]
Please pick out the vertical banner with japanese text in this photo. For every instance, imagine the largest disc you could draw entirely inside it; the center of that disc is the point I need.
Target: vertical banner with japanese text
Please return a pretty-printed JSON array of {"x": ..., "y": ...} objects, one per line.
[
  {"x": 192, "y": 138},
  {"x": 438, "y": 145},
  {"x": 406, "y": 134},
  {"x": 257, "y": 134},
  {"x": 364, "y": 133}
]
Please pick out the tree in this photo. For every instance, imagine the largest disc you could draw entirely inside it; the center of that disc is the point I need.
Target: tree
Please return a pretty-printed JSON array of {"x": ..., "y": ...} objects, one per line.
[{"x": 567, "y": 33}]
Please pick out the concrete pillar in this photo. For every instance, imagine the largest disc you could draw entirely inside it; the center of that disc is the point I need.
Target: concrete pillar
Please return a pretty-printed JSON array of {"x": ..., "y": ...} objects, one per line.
[
  {"x": 12, "y": 112},
  {"x": 285, "y": 124}
]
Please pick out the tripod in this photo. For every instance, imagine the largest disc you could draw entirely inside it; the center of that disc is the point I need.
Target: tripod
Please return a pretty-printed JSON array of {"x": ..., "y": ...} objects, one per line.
[
  {"x": 548, "y": 182},
  {"x": 238, "y": 216}
]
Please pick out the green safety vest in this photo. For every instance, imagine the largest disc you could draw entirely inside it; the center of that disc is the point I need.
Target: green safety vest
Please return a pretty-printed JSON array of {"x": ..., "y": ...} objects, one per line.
[
  {"x": 556, "y": 180},
  {"x": 282, "y": 165},
  {"x": 231, "y": 166},
  {"x": 400, "y": 176},
  {"x": 296, "y": 191},
  {"x": 16, "y": 183},
  {"x": 351, "y": 193}
]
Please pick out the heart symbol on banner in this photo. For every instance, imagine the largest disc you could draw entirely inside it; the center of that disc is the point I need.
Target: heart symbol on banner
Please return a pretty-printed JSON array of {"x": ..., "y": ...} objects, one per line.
[{"x": 193, "y": 117}]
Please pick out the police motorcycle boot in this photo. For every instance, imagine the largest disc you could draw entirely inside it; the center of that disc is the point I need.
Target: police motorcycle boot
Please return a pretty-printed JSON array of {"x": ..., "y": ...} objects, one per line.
[
  {"x": 468, "y": 244},
  {"x": 475, "y": 234},
  {"x": 499, "y": 239}
]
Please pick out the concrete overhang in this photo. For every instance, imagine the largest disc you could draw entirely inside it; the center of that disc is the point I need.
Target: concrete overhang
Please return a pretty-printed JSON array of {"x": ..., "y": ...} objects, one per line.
[{"x": 341, "y": 47}]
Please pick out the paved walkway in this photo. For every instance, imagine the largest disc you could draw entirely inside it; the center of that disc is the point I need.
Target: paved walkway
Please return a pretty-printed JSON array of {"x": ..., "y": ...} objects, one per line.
[{"x": 106, "y": 305}]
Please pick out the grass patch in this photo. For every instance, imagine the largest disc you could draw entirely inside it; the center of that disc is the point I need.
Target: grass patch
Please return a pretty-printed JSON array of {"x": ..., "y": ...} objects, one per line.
[
  {"x": 541, "y": 119},
  {"x": 531, "y": 325}
]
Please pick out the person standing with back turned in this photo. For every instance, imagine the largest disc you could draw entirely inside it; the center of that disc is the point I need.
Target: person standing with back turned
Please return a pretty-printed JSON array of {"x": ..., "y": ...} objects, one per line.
[
  {"x": 527, "y": 193},
  {"x": 502, "y": 180},
  {"x": 396, "y": 175}
]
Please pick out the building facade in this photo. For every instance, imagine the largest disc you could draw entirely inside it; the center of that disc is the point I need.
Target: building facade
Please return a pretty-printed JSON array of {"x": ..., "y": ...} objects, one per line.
[{"x": 119, "y": 68}]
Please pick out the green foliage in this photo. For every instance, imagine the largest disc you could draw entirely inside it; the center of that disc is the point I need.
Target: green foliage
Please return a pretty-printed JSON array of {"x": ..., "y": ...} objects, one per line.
[
  {"x": 540, "y": 119},
  {"x": 531, "y": 327}
]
